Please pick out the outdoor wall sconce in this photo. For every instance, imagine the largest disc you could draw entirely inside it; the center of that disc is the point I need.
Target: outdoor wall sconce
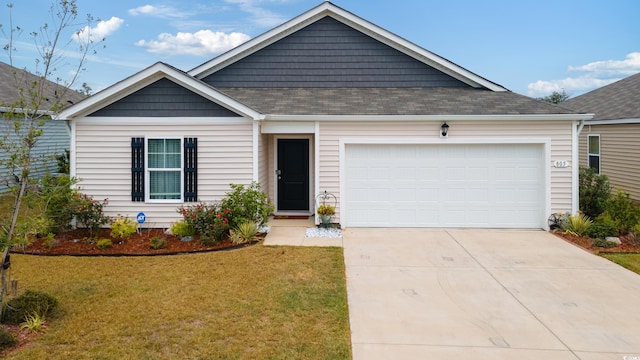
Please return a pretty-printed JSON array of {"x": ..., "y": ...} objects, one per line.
[{"x": 444, "y": 129}]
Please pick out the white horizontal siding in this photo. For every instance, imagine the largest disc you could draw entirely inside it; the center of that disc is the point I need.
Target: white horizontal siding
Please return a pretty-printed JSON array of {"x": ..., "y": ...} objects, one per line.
[
  {"x": 103, "y": 162},
  {"x": 559, "y": 134}
]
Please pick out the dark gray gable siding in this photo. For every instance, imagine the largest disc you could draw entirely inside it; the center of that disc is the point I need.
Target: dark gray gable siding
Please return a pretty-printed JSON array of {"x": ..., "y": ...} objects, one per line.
[
  {"x": 164, "y": 98},
  {"x": 329, "y": 54}
]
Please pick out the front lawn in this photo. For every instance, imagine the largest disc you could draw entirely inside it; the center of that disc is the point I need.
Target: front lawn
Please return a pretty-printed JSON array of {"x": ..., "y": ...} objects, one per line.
[
  {"x": 630, "y": 261},
  {"x": 254, "y": 303}
]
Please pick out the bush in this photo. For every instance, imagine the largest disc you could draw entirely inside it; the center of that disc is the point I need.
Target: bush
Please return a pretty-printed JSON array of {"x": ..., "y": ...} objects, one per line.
[
  {"x": 245, "y": 232},
  {"x": 602, "y": 243},
  {"x": 7, "y": 339},
  {"x": 576, "y": 224},
  {"x": 58, "y": 196},
  {"x": 157, "y": 242},
  {"x": 16, "y": 310},
  {"x": 182, "y": 229},
  {"x": 247, "y": 202},
  {"x": 209, "y": 221},
  {"x": 103, "y": 244},
  {"x": 623, "y": 212},
  {"x": 602, "y": 227},
  {"x": 123, "y": 227},
  {"x": 594, "y": 192},
  {"x": 89, "y": 212}
]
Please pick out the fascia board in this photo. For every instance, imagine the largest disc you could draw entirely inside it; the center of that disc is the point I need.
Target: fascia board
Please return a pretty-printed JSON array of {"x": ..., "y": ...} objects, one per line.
[
  {"x": 612, "y": 122},
  {"x": 379, "y": 118}
]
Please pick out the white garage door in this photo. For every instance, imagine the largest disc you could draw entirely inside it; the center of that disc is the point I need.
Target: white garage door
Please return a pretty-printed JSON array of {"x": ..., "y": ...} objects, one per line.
[{"x": 475, "y": 185}]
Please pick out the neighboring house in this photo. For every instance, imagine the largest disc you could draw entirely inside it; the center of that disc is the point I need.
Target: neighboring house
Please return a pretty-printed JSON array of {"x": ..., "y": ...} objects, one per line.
[
  {"x": 610, "y": 142},
  {"x": 55, "y": 137},
  {"x": 329, "y": 102}
]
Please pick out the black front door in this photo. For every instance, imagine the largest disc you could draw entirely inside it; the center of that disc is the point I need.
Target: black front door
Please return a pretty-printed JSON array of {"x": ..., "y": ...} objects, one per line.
[{"x": 293, "y": 174}]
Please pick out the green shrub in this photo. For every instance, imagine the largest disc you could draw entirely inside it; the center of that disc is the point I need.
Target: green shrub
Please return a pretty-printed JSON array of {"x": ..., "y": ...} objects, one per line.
[
  {"x": 623, "y": 212},
  {"x": 58, "y": 195},
  {"x": 7, "y": 339},
  {"x": 603, "y": 226},
  {"x": 50, "y": 240},
  {"x": 15, "y": 311},
  {"x": 247, "y": 202},
  {"x": 123, "y": 227},
  {"x": 182, "y": 229},
  {"x": 576, "y": 224},
  {"x": 594, "y": 192},
  {"x": 157, "y": 242},
  {"x": 602, "y": 243},
  {"x": 89, "y": 212},
  {"x": 245, "y": 232},
  {"x": 209, "y": 221},
  {"x": 103, "y": 244}
]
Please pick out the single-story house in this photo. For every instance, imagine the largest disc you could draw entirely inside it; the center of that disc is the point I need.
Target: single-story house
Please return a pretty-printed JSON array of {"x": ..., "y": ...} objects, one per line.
[
  {"x": 55, "y": 136},
  {"x": 329, "y": 102},
  {"x": 609, "y": 142}
]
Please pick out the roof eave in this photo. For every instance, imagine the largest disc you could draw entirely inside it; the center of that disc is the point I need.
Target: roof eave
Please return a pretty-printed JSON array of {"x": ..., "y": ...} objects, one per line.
[{"x": 376, "y": 118}]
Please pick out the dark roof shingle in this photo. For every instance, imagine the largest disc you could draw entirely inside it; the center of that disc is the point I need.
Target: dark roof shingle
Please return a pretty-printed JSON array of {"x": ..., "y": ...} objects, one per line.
[
  {"x": 389, "y": 101},
  {"x": 619, "y": 100}
]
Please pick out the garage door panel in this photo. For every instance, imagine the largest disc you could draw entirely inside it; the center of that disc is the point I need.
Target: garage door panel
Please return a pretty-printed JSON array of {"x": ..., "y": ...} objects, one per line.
[{"x": 444, "y": 185}]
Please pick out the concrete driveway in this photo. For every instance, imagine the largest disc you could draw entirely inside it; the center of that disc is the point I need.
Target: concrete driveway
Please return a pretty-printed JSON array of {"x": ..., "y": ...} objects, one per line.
[{"x": 486, "y": 294}]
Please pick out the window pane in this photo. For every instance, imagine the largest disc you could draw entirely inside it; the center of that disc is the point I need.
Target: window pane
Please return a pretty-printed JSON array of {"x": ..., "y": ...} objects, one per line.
[
  {"x": 594, "y": 162},
  {"x": 164, "y": 184},
  {"x": 164, "y": 153},
  {"x": 594, "y": 144}
]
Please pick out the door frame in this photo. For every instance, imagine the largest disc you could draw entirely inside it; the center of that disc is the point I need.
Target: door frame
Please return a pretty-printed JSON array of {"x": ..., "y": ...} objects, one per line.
[{"x": 311, "y": 175}]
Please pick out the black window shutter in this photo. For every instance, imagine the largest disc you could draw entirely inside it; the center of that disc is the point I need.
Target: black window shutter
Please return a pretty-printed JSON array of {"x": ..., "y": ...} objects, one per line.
[
  {"x": 190, "y": 169},
  {"x": 137, "y": 169}
]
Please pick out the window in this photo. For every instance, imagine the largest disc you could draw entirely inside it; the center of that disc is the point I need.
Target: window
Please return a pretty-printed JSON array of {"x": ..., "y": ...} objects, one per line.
[
  {"x": 594, "y": 152},
  {"x": 164, "y": 169}
]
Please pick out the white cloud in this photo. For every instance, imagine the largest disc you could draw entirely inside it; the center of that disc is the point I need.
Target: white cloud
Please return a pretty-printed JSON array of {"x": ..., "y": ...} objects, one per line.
[
  {"x": 260, "y": 15},
  {"x": 595, "y": 74},
  {"x": 629, "y": 66},
  {"x": 100, "y": 31},
  {"x": 570, "y": 85},
  {"x": 200, "y": 43},
  {"x": 157, "y": 11}
]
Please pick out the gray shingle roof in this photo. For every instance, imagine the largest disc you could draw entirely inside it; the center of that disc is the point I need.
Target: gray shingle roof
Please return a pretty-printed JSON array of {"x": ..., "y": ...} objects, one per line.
[
  {"x": 389, "y": 101},
  {"x": 619, "y": 100},
  {"x": 9, "y": 93}
]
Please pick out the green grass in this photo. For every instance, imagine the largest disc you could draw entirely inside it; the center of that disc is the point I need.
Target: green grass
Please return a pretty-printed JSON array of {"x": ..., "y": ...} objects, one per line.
[
  {"x": 629, "y": 261},
  {"x": 253, "y": 303}
]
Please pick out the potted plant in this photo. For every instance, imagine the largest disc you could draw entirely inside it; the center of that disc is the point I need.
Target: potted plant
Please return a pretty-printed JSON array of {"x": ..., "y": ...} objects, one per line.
[{"x": 325, "y": 212}]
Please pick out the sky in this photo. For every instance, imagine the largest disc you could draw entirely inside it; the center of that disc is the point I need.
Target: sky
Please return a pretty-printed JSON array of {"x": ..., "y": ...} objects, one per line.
[{"x": 531, "y": 47}]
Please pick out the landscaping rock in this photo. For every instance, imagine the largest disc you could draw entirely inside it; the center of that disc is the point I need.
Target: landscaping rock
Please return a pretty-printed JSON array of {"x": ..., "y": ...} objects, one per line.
[
  {"x": 614, "y": 239},
  {"x": 186, "y": 238},
  {"x": 168, "y": 232}
]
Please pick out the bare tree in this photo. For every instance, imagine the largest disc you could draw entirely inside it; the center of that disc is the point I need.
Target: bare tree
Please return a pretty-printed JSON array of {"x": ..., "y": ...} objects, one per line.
[{"x": 39, "y": 94}]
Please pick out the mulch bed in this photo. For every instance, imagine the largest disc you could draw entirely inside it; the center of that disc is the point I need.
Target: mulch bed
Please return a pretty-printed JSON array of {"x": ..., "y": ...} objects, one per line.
[
  {"x": 77, "y": 243},
  {"x": 629, "y": 244}
]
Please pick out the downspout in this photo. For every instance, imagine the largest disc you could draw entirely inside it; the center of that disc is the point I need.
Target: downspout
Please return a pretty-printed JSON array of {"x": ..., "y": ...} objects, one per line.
[{"x": 575, "y": 167}]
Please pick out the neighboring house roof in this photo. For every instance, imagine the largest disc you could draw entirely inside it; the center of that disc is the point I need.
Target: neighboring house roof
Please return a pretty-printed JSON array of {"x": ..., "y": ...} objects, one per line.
[
  {"x": 9, "y": 94},
  {"x": 617, "y": 101}
]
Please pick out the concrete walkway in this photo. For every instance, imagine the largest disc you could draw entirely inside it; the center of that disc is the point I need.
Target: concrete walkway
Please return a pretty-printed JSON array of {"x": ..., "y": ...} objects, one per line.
[
  {"x": 486, "y": 294},
  {"x": 286, "y": 232}
]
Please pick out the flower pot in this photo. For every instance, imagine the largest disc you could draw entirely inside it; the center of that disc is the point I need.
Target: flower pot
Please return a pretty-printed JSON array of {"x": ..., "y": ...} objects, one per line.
[{"x": 325, "y": 220}]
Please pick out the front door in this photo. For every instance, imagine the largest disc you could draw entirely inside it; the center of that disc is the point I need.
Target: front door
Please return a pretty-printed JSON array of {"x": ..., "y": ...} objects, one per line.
[{"x": 293, "y": 174}]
